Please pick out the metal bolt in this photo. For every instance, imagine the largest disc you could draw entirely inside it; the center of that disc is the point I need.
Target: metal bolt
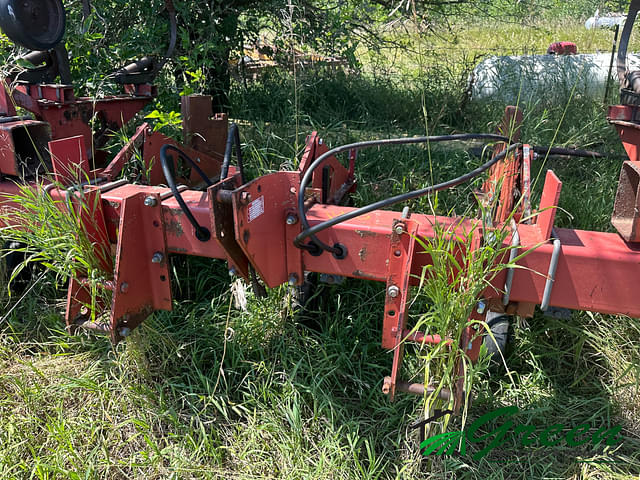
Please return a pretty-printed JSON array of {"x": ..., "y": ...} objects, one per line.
[
  {"x": 406, "y": 213},
  {"x": 245, "y": 197},
  {"x": 320, "y": 141},
  {"x": 292, "y": 219},
  {"x": 157, "y": 257},
  {"x": 399, "y": 228},
  {"x": 293, "y": 279},
  {"x": 393, "y": 291},
  {"x": 124, "y": 331},
  {"x": 481, "y": 307},
  {"x": 124, "y": 287},
  {"x": 150, "y": 201},
  {"x": 470, "y": 346}
]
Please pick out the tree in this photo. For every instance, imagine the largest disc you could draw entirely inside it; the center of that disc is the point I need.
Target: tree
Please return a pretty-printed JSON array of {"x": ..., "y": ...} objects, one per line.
[{"x": 113, "y": 32}]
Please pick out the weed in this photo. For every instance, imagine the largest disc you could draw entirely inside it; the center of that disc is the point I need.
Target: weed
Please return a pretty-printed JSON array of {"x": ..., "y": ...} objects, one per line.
[{"x": 60, "y": 235}]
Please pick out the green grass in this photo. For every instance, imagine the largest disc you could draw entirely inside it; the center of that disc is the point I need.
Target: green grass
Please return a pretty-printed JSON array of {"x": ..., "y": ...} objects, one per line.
[{"x": 209, "y": 391}]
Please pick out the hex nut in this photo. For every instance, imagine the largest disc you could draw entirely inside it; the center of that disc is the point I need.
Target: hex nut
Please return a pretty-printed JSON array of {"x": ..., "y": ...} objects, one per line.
[
  {"x": 292, "y": 219},
  {"x": 150, "y": 201},
  {"x": 393, "y": 291}
]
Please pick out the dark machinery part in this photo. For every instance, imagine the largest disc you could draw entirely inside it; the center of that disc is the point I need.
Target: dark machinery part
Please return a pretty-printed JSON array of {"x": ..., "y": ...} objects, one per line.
[
  {"x": 233, "y": 139},
  {"x": 146, "y": 69},
  {"x": 15, "y": 256},
  {"x": 39, "y": 25},
  {"x": 629, "y": 81},
  {"x": 48, "y": 65},
  {"x": 496, "y": 346},
  {"x": 34, "y": 24},
  {"x": 168, "y": 168}
]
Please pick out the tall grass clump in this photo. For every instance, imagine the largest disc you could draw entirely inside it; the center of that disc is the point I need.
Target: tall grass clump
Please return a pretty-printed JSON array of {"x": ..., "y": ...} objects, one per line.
[
  {"x": 58, "y": 235},
  {"x": 465, "y": 258}
]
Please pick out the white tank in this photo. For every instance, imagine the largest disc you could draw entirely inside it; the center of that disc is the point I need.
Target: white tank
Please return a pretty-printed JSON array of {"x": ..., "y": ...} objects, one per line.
[
  {"x": 609, "y": 20},
  {"x": 543, "y": 76}
]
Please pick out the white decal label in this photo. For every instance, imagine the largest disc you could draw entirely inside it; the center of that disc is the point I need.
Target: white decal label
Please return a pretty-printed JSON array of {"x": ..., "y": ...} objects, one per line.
[{"x": 256, "y": 208}]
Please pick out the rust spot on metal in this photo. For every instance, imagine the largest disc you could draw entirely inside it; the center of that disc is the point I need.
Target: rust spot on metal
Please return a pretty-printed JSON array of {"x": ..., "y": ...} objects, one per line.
[
  {"x": 366, "y": 233},
  {"x": 173, "y": 227},
  {"x": 362, "y": 254},
  {"x": 361, "y": 274}
]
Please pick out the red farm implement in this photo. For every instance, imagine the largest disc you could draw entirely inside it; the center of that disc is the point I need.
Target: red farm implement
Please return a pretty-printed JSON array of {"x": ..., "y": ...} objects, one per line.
[{"x": 279, "y": 226}]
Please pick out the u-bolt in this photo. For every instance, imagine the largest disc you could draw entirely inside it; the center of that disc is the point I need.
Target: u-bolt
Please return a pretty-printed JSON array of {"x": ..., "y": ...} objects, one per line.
[
  {"x": 551, "y": 275},
  {"x": 515, "y": 243}
]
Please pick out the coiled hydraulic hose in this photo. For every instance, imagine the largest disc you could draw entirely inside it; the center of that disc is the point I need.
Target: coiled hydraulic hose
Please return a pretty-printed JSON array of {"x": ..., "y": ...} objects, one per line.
[{"x": 310, "y": 232}]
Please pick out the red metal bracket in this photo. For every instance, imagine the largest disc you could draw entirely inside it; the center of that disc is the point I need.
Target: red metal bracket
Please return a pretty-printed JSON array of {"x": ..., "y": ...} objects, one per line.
[
  {"x": 340, "y": 180},
  {"x": 89, "y": 210},
  {"x": 141, "y": 281},
  {"x": 69, "y": 159},
  {"x": 141, "y": 277},
  {"x": 401, "y": 252},
  {"x": 202, "y": 130},
  {"x": 548, "y": 204},
  {"x": 259, "y": 209},
  {"x": 626, "y": 209},
  {"x": 223, "y": 228},
  {"x": 24, "y": 147}
]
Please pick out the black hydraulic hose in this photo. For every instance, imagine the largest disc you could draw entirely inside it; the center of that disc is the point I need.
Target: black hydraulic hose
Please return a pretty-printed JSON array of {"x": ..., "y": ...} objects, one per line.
[
  {"x": 187, "y": 159},
  {"x": 168, "y": 168},
  {"x": 233, "y": 137},
  {"x": 310, "y": 232},
  {"x": 624, "y": 43},
  {"x": 569, "y": 152}
]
